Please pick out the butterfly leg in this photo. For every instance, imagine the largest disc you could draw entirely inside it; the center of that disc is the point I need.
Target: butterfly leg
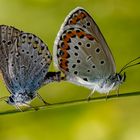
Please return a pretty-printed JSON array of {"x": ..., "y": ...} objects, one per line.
[
  {"x": 30, "y": 106},
  {"x": 89, "y": 96},
  {"x": 46, "y": 103},
  {"x": 4, "y": 98},
  {"x": 18, "y": 108},
  {"x": 107, "y": 95},
  {"x": 118, "y": 91}
]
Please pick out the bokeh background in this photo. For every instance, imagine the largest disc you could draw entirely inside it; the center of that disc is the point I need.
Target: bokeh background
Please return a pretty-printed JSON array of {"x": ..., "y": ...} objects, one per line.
[{"x": 118, "y": 119}]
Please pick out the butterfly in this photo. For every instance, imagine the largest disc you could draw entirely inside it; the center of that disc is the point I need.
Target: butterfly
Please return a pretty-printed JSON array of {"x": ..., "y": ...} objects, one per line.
[
  {"x": 82, "y": 54},
  {"x": 24, "y": 64}
]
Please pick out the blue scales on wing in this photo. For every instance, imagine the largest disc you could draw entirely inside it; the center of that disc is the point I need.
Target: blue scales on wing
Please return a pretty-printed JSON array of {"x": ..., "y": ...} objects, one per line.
[
  {"x": 24, "y": 62},
  {"x": 29, "y": 62}
]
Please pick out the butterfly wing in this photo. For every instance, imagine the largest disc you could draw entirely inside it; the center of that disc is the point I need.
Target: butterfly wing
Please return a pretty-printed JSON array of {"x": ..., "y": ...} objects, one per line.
[
  {"x": 29, "y": 63},
  {"x": 8, "y": 35},
  {"x": 80, "y": 50}
]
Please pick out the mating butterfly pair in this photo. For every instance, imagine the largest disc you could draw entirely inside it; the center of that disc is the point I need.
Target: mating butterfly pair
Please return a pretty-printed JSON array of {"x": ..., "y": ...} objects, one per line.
[{"x": 80, "y": 52}]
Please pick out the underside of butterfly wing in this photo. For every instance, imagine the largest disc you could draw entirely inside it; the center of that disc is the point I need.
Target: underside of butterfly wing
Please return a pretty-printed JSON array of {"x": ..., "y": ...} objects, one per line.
[
  {"x": 24, "y": 60},
  {"x": 81, "y": 52},
  {"x": 80, "y": 16},
  {"x": 8, "y": 35},
  {"x": 24, "y": 63},
  {"x": 29, "y": 62}
]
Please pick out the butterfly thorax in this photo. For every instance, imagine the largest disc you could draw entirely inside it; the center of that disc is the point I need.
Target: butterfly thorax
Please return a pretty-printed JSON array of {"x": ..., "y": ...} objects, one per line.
[
  {"x": 110, "y": 83},
  {"x": 21, "y": 98}
]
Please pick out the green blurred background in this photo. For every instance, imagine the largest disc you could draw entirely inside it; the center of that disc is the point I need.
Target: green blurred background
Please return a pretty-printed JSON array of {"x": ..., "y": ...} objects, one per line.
[{"x": 119, "y": 119}]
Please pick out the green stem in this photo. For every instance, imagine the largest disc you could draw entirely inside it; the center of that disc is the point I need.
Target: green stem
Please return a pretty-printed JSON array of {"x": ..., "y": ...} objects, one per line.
[{"x": 73, "y": 102}]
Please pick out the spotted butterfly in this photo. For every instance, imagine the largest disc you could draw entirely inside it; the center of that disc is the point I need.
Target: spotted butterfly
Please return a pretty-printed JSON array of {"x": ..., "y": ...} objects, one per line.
[
  {"x": 24, "y": 63},
  {"x": 82, "y": 54}
]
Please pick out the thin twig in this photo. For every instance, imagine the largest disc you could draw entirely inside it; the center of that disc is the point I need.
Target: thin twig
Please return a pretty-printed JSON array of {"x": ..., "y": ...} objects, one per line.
[{"x": 73, "y": 102}]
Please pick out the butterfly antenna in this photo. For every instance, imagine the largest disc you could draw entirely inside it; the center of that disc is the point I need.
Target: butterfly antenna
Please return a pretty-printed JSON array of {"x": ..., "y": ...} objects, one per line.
[{"x": 129, "y": 64}]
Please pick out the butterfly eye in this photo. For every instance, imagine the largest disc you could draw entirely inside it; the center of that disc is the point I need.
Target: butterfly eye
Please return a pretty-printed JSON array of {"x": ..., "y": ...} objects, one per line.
[{"x": 119, "y": 77}]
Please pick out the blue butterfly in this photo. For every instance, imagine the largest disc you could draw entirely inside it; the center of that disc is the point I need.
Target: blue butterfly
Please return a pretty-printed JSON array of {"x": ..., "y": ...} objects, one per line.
[
  {"x": 82, "y": 54},
  {"x": 24, "y": 63}
]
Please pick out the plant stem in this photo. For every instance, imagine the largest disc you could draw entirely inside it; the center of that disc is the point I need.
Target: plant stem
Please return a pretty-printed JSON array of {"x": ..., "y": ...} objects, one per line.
[{"x": 72, "y": 102}]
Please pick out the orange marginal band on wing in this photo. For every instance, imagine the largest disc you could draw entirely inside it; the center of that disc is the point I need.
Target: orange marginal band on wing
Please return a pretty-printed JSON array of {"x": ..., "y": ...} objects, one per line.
[
  {"x": 64, "y": 65},
  {"x": 77, "y": 18},
  {"x": 65, "y": 46}
]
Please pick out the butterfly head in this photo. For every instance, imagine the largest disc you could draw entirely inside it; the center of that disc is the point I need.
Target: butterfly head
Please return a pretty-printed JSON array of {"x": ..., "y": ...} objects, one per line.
[
  {"x": 117, "y": 79},
  {"x": 20, "y": 99},
  {"x": 110, "y": 83}
]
